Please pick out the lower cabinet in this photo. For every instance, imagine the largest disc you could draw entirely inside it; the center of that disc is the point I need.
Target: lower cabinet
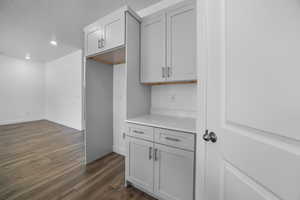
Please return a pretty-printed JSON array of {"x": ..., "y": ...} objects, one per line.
[
  {"x": 140, "y": 162},
  {"x": 174, "y": 173},
  {"x": 163, "y": 171}
]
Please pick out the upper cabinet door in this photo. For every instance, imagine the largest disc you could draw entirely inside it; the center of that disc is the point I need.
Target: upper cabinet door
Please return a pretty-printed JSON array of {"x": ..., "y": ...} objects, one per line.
[
  {"x": 93, "y": 44},
  {"x": 153, "y": 49},
  {"x": 181, "y": 42},
  {"x": 114, "y": 31}
]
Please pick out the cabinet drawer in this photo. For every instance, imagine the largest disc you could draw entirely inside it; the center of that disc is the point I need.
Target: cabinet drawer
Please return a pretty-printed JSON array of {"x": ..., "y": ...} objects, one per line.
[
  {"x": 174, "y": 138},
  {"x": 143, "y": 132}
]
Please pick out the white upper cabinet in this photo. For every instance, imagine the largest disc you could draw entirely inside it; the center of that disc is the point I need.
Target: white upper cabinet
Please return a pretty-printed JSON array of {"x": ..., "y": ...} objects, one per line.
[
  {"x": 169, "y": 45},
  {"x": 93, "y": 41},
  {"x": 114, "y": 30},
  {"x": 181, "y": 43},
  {"x": 106, "y": 34},
  {"x": 153, "y": 52}
]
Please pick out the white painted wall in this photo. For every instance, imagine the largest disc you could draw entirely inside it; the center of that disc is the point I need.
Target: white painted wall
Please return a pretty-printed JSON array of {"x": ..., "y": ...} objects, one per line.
[
  {"x": 175, "y": 100},
  {"x": 99, "y": 110},
  {"x": 21, "y": 90},
  {"x": 64, "y": 90}
]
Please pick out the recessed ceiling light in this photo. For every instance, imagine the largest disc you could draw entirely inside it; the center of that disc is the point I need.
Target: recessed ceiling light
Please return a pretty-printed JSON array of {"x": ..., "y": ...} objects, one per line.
[
  {"x": 27, "y": 57},
  {"x": 53, "y": 43}
]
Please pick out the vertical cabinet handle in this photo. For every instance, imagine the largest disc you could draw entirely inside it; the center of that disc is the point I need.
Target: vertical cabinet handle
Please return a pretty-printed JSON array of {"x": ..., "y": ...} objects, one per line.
[
  {"x": 100, "y": 43},
  {"x": 150, "y": 153},
  {"x": 163, "y": 72},
  {"x": 169, "y": 72},
  {"x": 166, "y": 72},
  {"x": 155, "y": 154}
]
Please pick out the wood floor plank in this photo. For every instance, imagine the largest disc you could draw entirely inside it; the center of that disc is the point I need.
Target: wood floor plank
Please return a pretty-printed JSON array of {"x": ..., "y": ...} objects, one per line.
[{"x": 43, "y": 160}]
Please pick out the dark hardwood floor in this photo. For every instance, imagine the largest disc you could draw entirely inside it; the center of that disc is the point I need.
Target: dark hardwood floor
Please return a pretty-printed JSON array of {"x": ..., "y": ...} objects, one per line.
[{"x": 44, "y": 160}]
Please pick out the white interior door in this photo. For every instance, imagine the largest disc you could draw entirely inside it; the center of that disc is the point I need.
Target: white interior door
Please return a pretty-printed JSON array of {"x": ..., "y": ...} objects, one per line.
[{"x": 253, "y": 99}]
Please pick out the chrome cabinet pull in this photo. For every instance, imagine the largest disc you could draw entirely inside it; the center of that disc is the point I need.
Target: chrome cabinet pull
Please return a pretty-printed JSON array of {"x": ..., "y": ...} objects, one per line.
[
  {"x": 138, "y": 132},
  {"x": 169, "y": 72},
  {"x": 173, "y": 139},
  {"x": 150, "y": 153},
  {"x": 155, "y": 154},
  {"x": 163, "y": 72},
  {"x": 100, "y": 43}
]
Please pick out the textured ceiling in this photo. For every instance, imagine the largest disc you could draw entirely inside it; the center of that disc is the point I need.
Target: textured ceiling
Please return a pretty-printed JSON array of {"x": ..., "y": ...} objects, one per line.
[{"x": 27, "y": 26}]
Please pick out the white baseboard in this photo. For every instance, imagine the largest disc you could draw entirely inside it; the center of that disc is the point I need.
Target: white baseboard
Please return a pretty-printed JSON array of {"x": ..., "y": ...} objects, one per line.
[
  {"x": 16, "y": 121},
  {"x": 77, "y": 127},
  {"x": 119, "y": 150}
]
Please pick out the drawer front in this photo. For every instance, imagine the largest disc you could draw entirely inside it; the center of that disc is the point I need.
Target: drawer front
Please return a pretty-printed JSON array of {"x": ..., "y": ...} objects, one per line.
[
  {"x": 143, "y": 132},
  {"x": 175, "y": 138}
]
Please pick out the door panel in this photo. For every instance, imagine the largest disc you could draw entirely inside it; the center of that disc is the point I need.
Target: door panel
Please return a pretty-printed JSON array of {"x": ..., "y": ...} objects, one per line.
[
  {"x": 252, "y": 99},
  {"x": 237, "y": 186},
  {"x": 153, "y": 49},
  {"x": 174, "y": 173},
  {"x": 262, "y": 65},
  {"x": 92, "y": 41},
  {"x": 181, "y": 42},
  {"x": 273, "y": 163},
  {"x": 141, "y": 165},
  {"x": 114, "y": 32}
]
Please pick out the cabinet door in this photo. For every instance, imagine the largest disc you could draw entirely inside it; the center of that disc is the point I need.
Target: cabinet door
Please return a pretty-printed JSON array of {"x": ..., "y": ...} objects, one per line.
[
  {"x": 114, "y": 30},
  {"x": 93, "y": 39},
  {"x": 140, "y": 163},
  {"x": 153, "y": 49},
  {"x": 181, "y": 42},
  {"x": 174, "y": 173}
]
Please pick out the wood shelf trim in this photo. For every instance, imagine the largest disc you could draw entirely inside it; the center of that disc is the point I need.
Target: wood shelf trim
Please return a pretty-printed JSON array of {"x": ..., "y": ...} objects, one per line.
[
  {"x": 172, "y": 83},
  {"x": 117, "y": 56}
]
